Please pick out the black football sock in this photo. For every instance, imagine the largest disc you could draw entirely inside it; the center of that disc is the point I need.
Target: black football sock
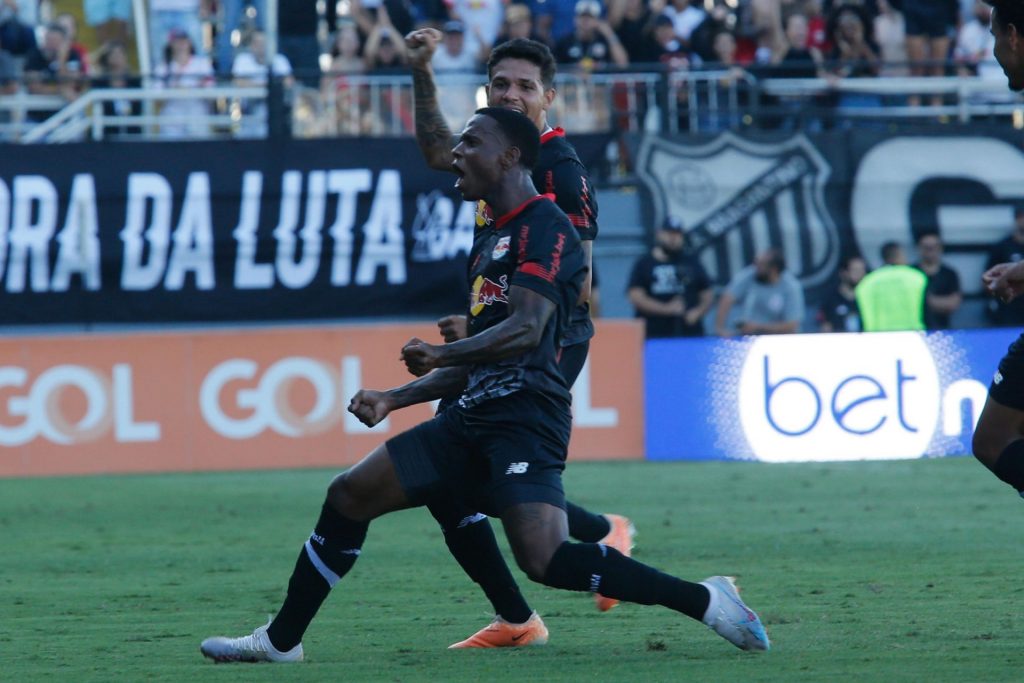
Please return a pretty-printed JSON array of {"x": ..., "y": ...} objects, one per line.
[
  {"x": 1010, "y": 465},
  {"x": 586, "y": 526},
  {"x": 599, "y": 569},
  {"x": 330, "y": 552},
  {"x": 473, "y": 545}
]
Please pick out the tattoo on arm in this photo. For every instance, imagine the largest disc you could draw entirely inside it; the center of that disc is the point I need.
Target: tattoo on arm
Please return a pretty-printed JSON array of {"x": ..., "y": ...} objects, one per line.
[{"x": 432, "y": 132}]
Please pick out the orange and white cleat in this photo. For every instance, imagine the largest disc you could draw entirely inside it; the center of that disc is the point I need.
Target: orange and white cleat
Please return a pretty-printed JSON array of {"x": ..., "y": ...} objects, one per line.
[
  {"x": 500, "y": 633},
  {"x": 620, "y": 538}
]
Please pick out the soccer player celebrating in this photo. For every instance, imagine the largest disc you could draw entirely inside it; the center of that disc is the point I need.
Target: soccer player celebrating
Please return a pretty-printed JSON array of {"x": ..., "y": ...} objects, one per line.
[
  {"x": 999, "y": 436},
  {"x": 502, "y": 446},
  {"x": 521, "y": 78}
]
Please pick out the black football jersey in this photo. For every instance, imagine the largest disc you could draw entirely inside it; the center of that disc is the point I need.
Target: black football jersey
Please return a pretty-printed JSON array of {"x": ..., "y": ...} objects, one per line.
[
  {"x": 560, "y": 172},
  {"x": 534, "y": 246}
]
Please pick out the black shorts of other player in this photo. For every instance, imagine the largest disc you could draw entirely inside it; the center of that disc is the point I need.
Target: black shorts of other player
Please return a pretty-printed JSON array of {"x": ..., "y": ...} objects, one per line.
[{"x": 1009, "y": 378}]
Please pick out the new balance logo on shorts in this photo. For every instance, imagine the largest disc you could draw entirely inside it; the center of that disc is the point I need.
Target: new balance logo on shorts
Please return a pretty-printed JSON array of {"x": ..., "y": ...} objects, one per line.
[
  {"x": 998, "y": 378},
  {"x": 517, "y": 468}
]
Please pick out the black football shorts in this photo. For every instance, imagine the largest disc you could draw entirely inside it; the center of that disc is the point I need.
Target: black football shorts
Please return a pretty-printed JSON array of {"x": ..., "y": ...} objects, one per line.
[
  {"x": 1007, "y": 386},
  {"x": 502, "y": 452}
]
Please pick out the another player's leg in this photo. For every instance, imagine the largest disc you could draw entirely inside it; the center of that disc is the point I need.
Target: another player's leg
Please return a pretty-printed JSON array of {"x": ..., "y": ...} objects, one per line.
[
  {"x": 368, "y": 490},
  {"x": 471, "y": 540},
  {"x": 539, "y": 538},
  {"x": 999, "y": 442},
  {"x": 616, "y": 531}
]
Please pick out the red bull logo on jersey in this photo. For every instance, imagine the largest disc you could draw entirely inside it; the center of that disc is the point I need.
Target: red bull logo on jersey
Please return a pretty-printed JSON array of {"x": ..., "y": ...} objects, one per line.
[
  {"x": 486, "y": 292},
  {"x": 501, "y": 248},
  {"x": 484, "y": 217}
]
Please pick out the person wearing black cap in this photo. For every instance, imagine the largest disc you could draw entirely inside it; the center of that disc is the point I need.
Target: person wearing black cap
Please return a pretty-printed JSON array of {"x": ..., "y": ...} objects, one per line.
[
  {"x": 592, "y": 43},
  {"x": 670, "y": 289}
]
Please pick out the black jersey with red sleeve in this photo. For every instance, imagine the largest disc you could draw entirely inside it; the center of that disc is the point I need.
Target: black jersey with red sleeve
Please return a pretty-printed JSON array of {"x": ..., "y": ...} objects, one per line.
[
  {"x": 560, "y": 172},
  {"x": 536, "y": 247}
]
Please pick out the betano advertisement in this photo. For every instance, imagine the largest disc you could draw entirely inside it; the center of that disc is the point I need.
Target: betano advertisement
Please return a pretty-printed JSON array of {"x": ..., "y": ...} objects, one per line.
[
  {"x": 819, "y": 397},
  {"x": 252, "y": 398}
]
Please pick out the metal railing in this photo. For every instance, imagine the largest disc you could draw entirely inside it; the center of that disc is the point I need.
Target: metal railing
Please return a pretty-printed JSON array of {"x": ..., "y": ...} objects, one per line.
[{"x": 675, "y": 101}]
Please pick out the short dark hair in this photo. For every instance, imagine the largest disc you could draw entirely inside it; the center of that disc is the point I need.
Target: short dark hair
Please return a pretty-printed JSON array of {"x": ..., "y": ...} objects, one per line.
[
  {"x": 527, "y": 50},
  {"x": 520, "y": 132},
  {"x": 1008, "y": 12},
  {"x": 889, "y": 250},
  {"x": 776, "y": 258}
]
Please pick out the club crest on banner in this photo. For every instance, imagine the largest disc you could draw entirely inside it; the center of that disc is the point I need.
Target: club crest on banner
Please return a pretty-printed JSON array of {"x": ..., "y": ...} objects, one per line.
[{"x": 736, "y": 197}]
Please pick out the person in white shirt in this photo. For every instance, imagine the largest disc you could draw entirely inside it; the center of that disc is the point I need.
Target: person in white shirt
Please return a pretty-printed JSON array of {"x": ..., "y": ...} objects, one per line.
[
  {"x": 183, "y": 68},
  {"x": 482, "y": 18},
  {"x": 250, "y": 68},
  {"x": 455, "y": 55}
]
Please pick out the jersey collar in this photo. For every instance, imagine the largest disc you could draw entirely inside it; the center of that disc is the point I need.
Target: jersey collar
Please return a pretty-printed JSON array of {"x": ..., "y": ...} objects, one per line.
[
  {"x": 552, "y": 133},
  {"x": 519, "y": 209}
]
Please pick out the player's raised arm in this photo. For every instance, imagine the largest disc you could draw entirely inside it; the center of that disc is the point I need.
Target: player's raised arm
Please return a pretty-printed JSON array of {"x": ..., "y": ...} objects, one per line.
[{"x": 432, "y": 133}]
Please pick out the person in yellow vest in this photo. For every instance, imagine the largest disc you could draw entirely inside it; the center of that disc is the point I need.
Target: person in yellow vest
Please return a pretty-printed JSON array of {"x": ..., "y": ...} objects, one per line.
[{"x": 892, "y": 297}]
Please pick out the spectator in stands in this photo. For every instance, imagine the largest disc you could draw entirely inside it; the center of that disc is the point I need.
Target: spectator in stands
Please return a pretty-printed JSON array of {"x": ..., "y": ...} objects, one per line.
[
  {"x": 553, "y": 19},
  {"x": 181, "y": 67},
  {"x": 176, "y": 16},
  {"x": 891, "y": 36},
  {"x": 8, "y": 73},
  {"x": 817, "y": 32},
  {"x": 767, "y": 24},
  {"x": 483, "y": 20},
  {"x": 718, "y": 19},
  {"x": 1008, "y": 250},
  {"x": 797, "y": 60},
  {"x": 670, "y": 289},
  {"x": 346, "y": 51},
  {"x": 686, "y": 15},
  {"x": 854, "y": 53},
  {"x": 593, "y": 43},
  {"x": 892, "y": 297},
  {"x": 767, "y": 297},
  {"x": 68, "y": 22},
  {"x": 384, "y": 52},
  {"x": 250, "y": 68},
  {"x": 109, "y": 19},
  {"x": 453, "y": 54},
  {"x": 114, "y": 72},
  {"x": 975, "y": 44},
  {"x": 53, "y": 69},
  {"x": 297, "y": 24},
  {"x": 518, "y": 24},
  {"x": 838, "y": 311},
  {"x": 633, "y": 22},
  {"x": 943, "y": 295},
  {"x": 666, "y": 48},
  {"x": 929, "y": 26},
  {"x": 231, "y": 34},
  {"x": 17, "y": 36}
]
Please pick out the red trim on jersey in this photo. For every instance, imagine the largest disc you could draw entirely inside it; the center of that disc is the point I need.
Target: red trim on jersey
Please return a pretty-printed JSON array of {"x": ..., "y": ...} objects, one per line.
[
  {"x": 519, "y": 209},
  {"x": 548, "y": 274},
  {"x": 553, "y": 133}
]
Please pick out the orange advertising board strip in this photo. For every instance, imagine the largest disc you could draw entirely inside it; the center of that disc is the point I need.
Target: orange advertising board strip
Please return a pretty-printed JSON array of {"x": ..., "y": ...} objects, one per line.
[{"x": 253, "y": 398}]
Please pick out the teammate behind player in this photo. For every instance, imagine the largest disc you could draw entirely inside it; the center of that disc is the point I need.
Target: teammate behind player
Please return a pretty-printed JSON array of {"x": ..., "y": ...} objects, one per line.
[
  {"x": 520, "y": 77},
  {"x": 999, "y": 436},
  {"x": 503, "y": 445}
]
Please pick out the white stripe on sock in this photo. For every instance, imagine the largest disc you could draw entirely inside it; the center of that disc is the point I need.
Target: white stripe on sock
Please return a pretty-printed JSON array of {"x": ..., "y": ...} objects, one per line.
[{"x": 330, "y": 577}]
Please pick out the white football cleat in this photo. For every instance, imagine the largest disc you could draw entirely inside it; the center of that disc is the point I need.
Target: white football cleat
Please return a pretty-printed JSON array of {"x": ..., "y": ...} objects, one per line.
[
  {"x": 255, "y": 647},
  {"x": 730, "y": 618}
]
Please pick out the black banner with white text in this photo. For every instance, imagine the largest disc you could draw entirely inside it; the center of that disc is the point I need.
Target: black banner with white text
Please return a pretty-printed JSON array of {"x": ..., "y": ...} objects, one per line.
[{"x": 230, "y": 231}]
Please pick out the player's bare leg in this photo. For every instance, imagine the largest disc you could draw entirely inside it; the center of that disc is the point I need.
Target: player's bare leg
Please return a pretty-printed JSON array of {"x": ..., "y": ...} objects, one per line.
[{"x": 999, "y": 442}]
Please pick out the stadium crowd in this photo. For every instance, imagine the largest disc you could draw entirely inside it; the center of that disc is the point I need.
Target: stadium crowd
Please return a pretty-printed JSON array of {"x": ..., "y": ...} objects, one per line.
[{"x": 195, "y": 43}]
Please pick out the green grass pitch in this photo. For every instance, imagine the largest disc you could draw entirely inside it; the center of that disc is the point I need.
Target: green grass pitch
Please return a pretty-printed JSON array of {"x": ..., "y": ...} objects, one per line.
[{"x": 862, "y": 572}]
